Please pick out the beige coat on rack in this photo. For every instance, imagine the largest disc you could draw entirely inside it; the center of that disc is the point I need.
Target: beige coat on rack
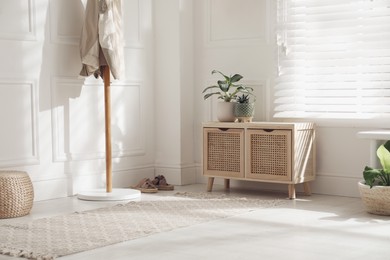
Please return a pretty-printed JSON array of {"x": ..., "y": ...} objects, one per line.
[{"x": 101, "y": 38}]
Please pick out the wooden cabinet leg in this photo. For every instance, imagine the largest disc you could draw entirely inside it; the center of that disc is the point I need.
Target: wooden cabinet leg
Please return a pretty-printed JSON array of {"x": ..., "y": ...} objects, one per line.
[
  {"x": 291, "y": 191},
  {"x": 227, "y": 184},
  {"x": 210, "y": 184},
  {"x": 306, "y": 188}
]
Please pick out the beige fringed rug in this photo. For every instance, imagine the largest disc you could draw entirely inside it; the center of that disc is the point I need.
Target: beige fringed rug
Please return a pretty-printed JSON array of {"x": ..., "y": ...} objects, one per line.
[{"x": 53, "y": 237}]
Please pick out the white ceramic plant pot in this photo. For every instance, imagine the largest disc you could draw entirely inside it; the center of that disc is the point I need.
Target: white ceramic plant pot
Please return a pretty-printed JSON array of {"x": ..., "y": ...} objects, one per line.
[
  {"x": 376, "y": 199},
  {"x": 225, "y": 112}
]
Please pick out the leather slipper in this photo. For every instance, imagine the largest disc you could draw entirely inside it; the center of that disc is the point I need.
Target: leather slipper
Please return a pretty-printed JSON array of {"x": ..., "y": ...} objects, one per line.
[
  {"x": 146, "y": 186},
  {"x": 161, "y": 183}
]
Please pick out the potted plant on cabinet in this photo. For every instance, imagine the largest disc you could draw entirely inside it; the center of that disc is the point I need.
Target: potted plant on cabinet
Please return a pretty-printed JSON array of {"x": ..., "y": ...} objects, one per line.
[
  {"x": 227, "y": 90},
  {"x": 375, "y": 189},
  {"x": 244, "y": 109}
]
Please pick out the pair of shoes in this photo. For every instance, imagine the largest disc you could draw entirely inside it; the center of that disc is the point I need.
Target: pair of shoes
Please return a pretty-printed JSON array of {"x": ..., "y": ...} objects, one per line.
[
  {"x": 161, "y": 183},
  {"x": 146, "y": 186}
]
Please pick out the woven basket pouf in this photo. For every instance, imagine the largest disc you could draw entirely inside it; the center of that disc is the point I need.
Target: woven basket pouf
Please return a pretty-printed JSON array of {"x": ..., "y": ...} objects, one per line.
[{"x": 16, "y": 194}]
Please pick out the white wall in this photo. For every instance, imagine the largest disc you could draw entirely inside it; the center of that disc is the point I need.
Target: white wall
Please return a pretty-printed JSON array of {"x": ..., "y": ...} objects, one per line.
[
  {"x": 52, "y": 121},
  {"x": 53, "y": 124},
  {"x": 173, "y": 91}
]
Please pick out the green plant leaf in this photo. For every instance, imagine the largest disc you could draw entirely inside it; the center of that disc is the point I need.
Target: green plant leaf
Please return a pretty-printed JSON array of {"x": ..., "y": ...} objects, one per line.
[
  {"x": 387, "y": 145},
  {"x": 235, "y": 78},
  {"x": 211, "y": 87},
  {"x": 370, "y": 175},
  {"x": 384, "y": 157},
  {"x": 210, "y": 94},
  {"x": 223, "y": 85}
]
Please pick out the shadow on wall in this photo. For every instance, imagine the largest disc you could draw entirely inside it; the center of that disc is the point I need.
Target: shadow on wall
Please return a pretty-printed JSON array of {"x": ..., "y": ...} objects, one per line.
[
  {"x": 60, "y": 53},
  {"x": 58, "y": 79}
]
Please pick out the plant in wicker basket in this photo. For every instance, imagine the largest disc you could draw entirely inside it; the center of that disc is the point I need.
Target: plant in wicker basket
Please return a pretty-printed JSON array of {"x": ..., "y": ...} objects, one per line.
[{"x": 375, "y": 190}]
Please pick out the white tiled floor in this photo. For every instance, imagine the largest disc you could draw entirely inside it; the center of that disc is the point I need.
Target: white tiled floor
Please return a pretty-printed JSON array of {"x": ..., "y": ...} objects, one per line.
[{"x": 311, "y": 227}]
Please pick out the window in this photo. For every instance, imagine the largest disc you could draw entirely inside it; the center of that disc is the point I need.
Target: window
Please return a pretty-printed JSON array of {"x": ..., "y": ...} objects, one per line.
[{"x": 333, "y": 59}]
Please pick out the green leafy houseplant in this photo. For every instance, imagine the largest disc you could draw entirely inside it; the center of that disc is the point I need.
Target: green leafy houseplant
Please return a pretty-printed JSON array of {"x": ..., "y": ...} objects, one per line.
[
  {"x": 228, "y": 88},
  {"x": 379, "y": 177}
]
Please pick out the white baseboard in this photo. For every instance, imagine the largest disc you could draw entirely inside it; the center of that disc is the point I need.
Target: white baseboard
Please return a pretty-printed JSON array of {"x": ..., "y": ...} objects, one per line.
[
  {"x": 181, "y": 175},
  {"x": 64, "y": 187},
  {"x": 336, "y": 185},
  {"x": 50, "y": 189},
  {"x": 323, "y": 184},
  {"x": 177, "y": 174}
]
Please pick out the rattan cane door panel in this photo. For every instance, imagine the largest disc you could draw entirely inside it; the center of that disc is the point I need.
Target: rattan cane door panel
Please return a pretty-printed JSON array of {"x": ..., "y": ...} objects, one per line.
[
  {"x": 223, "y": 152},
  {"x": 269, "y": 154}
]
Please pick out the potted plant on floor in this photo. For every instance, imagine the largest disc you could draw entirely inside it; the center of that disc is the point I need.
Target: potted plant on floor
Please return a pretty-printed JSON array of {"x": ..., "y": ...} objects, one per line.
[
  {"x": 244, "y": 109},
  {"x": 375, "y": 189},
  {"x": 227, "y": 90}
]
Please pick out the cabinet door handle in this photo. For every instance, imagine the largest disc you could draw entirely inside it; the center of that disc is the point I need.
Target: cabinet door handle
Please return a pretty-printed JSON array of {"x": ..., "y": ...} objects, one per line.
[
  {"x": 268, "y": 130},
  {"x": 223, "y": 129}
]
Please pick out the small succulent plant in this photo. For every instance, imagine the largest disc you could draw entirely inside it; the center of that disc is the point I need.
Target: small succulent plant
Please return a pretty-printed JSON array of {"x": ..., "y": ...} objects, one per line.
[{"x": 243, "y": 99}]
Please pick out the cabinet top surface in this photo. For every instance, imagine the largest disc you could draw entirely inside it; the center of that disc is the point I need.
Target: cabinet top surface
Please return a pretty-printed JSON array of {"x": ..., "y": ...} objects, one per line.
[{"x": 259, "y": 125}]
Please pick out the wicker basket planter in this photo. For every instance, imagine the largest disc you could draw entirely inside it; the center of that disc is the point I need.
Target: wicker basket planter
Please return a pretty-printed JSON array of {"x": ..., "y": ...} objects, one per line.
[
  {"x": 16, "y": 194},
  {"x": 376, "y": 200}
]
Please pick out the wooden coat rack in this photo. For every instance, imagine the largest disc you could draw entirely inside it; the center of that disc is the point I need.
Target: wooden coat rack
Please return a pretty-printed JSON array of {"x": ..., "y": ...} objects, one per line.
[
  {"x": 107, "y": 115},
  {"x": 109, "y": 193}
]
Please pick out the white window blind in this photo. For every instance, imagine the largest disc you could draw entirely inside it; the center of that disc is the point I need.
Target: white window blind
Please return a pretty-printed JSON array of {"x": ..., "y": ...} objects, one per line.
[{"x": 333, "y": 59}]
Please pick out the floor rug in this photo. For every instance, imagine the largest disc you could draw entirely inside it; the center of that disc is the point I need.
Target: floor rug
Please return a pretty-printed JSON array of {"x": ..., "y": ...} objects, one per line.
[{"x": 53, "y": 237}]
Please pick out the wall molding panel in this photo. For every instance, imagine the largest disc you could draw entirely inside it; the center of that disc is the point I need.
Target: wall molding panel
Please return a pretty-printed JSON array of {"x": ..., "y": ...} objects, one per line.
[
  {"x": 78, "y": 111},
  {"x": 252, "y": 28},
  {"x": 19, "y": 129},
  {"x": 69, "y": 32},
  {"x": 17, "y": 21}
]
